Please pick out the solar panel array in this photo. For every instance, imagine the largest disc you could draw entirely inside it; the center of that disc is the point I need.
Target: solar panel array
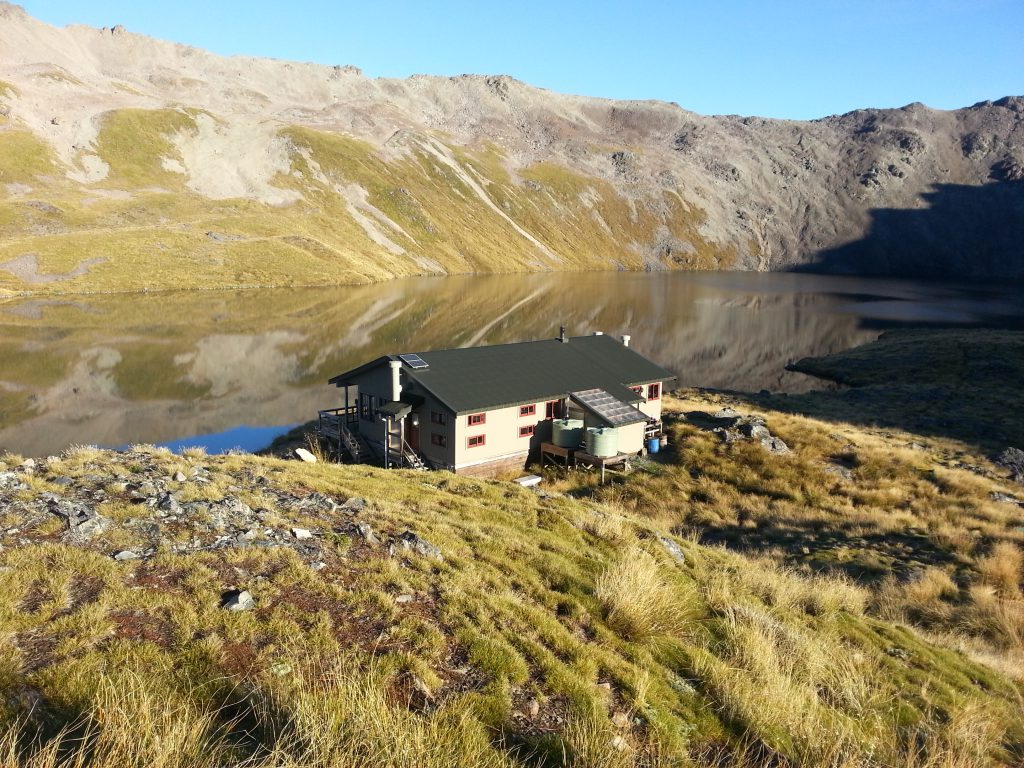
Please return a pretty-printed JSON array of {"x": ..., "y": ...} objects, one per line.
[
  {"x": 608, "y": 407},
  {"x": 413, "y": 361}
]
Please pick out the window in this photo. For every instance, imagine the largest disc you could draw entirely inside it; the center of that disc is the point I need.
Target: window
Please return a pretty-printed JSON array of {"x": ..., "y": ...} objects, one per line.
[
  {"x": 476, "y": 419},
  {"x": 366, "y": 409},
  {"x": 439, "y": 440},
  {"x": 526, "y": 431},
  {"x": 476, "y": 441},
  {"x": 527, "y": 410},
  {"x": 438, "y": 417},
  {"x": 553, "y": 409},
  {"x": 653, "y": 391}
]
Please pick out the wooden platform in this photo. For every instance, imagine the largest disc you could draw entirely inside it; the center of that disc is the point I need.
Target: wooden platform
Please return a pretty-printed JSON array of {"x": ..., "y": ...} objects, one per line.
[{"x": 578, "y": 458}]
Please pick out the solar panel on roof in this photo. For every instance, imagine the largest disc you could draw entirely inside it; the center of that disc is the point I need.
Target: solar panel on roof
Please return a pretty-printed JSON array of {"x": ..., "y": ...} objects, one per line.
[
  {"x": 607, "y": 406},
  {"x": 413, "y": 361}
]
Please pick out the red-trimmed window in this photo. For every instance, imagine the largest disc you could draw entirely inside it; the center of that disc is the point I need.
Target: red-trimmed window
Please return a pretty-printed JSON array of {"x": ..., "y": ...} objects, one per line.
[
  {"x": 439, "y": 440},
  {"x": 438, "y": 417},
  {"x": 476, "y": 419},
  {"x": 526, "y": 431},
  {"x": 476, "y": 441},
  {"x": 553, "y": 409},
  {"x": 527, "y": 410},
  {"x": 653, "y": 391}
]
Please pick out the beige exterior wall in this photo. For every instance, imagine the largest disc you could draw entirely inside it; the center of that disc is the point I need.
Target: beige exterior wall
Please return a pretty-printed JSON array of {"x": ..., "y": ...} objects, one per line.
[
  {"x": 652, "y": 408},
  {"x": 631, "y": 438},
  {"x": 501, "y": 430}
]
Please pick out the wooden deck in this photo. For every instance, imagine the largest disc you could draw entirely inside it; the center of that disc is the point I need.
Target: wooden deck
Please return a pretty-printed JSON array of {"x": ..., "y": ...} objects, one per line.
[{"x": 575, "y": 458}]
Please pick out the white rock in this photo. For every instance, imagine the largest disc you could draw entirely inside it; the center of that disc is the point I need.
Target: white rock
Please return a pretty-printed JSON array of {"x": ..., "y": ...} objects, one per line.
[
  {"x": 301, "y": 533},
  {"x": 126, "y": 554},
  {"x": 239, "y": 601},
  {"x": 305, "y": 455}
]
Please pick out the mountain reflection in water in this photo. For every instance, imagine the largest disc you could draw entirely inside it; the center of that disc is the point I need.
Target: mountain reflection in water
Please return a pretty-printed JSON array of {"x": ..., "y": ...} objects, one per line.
[{"x": 160, "y": 368}]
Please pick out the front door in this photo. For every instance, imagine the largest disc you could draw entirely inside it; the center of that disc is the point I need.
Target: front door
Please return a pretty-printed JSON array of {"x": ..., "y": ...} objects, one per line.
[{"x": 412, "y": 435}]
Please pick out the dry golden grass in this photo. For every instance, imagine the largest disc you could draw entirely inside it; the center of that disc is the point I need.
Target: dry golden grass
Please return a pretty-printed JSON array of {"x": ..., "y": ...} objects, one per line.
[
  {"x": 631, "y": 657},
  {"x": 640, "y": 602}
]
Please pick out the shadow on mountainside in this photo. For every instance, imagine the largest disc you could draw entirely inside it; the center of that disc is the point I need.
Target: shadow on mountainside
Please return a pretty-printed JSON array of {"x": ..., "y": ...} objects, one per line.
[
  {"x": 965, "y": 233},
  {"x": 960, "y": 383}
]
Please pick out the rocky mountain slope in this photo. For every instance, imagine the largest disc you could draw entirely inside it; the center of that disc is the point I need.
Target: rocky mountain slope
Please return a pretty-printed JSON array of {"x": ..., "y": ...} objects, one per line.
[{"x": 129, "y": 163}]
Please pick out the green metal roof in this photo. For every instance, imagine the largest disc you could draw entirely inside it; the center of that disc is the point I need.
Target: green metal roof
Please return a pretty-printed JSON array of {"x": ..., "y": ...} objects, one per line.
[{"x": 475, "y": 379}]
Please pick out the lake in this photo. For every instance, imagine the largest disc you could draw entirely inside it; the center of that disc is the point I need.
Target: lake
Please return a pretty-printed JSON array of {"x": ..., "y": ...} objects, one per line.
[{"x": 235, "y": 369}]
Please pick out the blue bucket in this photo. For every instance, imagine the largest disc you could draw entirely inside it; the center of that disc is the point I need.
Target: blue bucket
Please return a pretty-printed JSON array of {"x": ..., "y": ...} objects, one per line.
[{"x": 653, "y": 445}]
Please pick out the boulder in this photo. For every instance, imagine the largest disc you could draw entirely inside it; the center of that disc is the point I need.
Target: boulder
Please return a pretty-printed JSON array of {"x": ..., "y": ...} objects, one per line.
[
  {"x": 126, "y": 554},
  {"x": 726, "y": 435},
  {"x": 775, "y": 445},
  {"x": 754, "y": 430},
  {"x": 727, "y": 413},
  {"x": 672, "y": 548},
  {"x": 364, "y": 530},
  {"x": 82, "y": 521},
  {"x": 1005, "y": 498},
  {"x": 10, "y": 481},
  {"x": 237, "y": 600},
  {"x": 1013, "y": 460},
  {"x": 305, "y": 455},
  {"x": 410, "y": 541}
]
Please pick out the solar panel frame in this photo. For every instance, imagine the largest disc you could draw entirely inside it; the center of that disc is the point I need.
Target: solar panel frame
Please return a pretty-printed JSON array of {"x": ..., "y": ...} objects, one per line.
[
  {"x": 608, "y": 407},
  {"x": 414, "y": 361}
]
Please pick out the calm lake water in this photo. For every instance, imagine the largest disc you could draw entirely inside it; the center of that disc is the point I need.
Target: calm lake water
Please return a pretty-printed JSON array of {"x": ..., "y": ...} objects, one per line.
[{"x": 235, "y": 369}]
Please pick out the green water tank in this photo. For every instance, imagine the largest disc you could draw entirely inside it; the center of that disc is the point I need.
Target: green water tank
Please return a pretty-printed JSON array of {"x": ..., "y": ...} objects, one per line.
[
  {"x": 567, "y": 433},
  {"x": 602, "y": 441}
]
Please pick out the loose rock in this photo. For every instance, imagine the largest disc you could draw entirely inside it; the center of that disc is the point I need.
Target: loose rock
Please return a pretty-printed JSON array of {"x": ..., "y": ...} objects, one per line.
[
  {"x": 673, "y": 549},
  {"x": 410, "y": 541},
  {"x": 305, "y": 455},
  {"x": 775, "y": 445},
  {"x": 1013, "y": 460},
  {"x": 236, "y": 600},
  {"x": 364, "y": 530},
  {"x": 301, "y": 533}
]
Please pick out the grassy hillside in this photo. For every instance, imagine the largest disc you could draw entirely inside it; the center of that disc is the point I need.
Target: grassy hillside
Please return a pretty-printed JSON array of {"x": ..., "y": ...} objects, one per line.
[
  {"x": 960, "y": 383},
  {"x": 581, "y": 626},
  {"x": 359, "y": 215}
]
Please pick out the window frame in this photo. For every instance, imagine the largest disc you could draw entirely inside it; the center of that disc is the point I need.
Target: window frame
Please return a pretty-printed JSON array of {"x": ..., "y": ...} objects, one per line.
[
  {"x": 552, "y": 409},
  {"x": 481, "y": 438},
  {"x": 438, "y": 440},
  {"x": 438, "y": 417},
  {"x": 527, "y": 430},
  {"x": 471, "y": 423},
  {"x": 527, "y": 410},
  {"x": 654, "y": 391}
]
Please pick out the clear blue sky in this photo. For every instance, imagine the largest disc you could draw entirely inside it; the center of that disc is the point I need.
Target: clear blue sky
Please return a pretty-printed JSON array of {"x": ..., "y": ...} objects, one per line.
[{"x": 781, "y": 58}]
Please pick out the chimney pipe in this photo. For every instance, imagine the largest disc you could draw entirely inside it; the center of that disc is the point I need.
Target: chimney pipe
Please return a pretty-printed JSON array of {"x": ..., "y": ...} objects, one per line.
[
  {"x": 561, "y": 335},
  {"x": 396, "y": 386},
  {"x": 625, "y": 339},
  {"x": 599, "y": 333}
]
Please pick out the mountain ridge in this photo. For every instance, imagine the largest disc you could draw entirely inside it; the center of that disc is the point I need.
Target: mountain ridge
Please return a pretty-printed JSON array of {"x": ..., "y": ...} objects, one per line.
[{"x": 356, "y": 178}]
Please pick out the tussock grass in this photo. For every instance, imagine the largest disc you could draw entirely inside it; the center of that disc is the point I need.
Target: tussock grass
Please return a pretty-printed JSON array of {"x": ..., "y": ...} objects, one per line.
[
  {"x": 640, "y": 602},
  {"x": 541, "y": 639}
]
